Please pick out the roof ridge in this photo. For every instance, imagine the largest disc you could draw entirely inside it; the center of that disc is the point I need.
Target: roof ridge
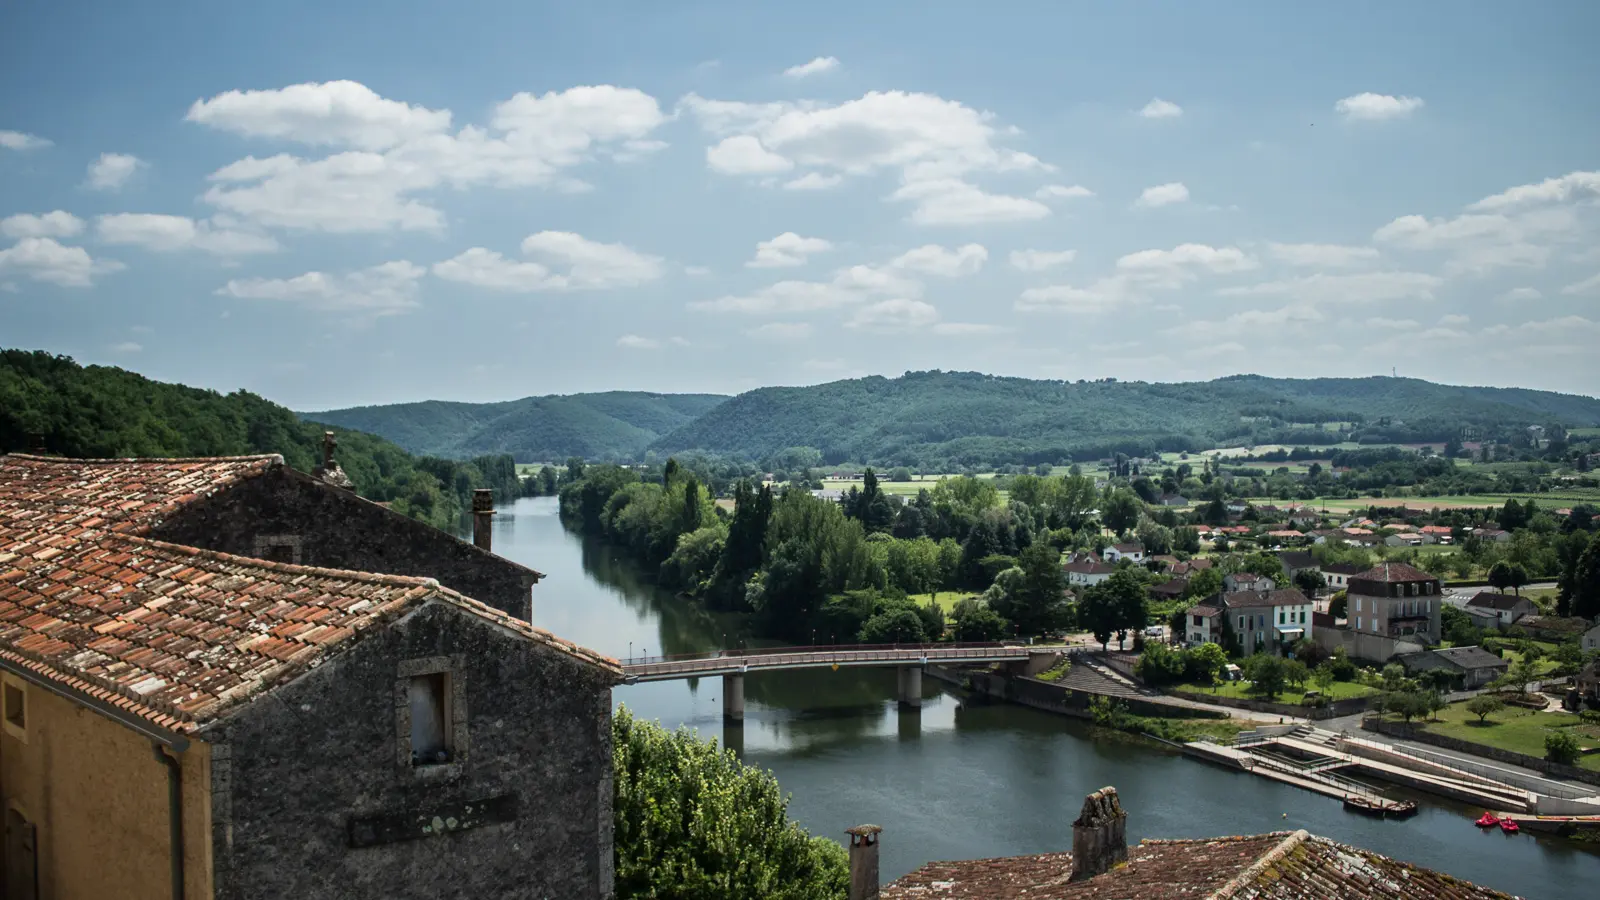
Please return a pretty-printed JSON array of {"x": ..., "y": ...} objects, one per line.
[
  {"x": 276, "y": 458},
  {"x": 1252, "y": 871},
  {"x": 273, "y": 565}
]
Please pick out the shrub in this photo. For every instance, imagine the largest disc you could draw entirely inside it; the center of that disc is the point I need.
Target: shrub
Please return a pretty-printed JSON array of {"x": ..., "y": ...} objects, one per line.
[{"x": 1561, "y": 747}]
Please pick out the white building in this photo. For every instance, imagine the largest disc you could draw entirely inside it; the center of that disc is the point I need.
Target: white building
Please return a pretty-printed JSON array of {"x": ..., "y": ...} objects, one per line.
[{"x": 1118, "y": 552}]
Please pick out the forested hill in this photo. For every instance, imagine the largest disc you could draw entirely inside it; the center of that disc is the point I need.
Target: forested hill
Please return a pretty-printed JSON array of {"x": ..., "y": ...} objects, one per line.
[
  {"x": 942, "y": 420},
  {"x": 102, "y": 411},
  {"x": 612, "y": 425}
]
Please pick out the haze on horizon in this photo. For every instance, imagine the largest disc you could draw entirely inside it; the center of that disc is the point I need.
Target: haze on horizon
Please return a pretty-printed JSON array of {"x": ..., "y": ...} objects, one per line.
[{"x": 341, "y": 204}]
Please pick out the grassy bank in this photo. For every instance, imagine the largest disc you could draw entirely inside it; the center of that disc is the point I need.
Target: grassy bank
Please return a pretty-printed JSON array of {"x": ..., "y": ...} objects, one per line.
[
  {"x": 1240, "y": 690},
  {"x": 1515, "y": 729}
]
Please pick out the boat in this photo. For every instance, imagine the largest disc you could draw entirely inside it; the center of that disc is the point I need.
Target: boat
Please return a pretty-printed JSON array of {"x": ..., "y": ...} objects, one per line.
[
  {"x": 1488, "y": 820},
  {"x": 1509, "y": 826},
  {"x": 1379, "y": 808}
]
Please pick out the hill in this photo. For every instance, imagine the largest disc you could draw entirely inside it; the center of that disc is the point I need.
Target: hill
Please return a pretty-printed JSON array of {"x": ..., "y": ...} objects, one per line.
[
  {"x": 104, "y": 411},
  {"x": 612, "y": 425},
  {"x": 947, "y": 420}
]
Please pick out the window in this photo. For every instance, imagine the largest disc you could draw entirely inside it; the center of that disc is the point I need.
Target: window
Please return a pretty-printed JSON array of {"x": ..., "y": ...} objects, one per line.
[
  {"x": 14, "y": 699},
  {"x": 1358, "y": 603},
  {"x": 430, "y": 717},
  {"x": 284, "y": 548},
  {"x": 1280, "y": 618}
]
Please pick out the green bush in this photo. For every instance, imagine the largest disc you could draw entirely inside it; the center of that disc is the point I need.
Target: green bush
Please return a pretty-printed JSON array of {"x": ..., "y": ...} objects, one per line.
[{"x": 1561, "y": 747}]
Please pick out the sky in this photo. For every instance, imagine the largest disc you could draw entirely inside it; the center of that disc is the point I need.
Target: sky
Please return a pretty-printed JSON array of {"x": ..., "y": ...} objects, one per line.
[{"x": 335, "y": 204}]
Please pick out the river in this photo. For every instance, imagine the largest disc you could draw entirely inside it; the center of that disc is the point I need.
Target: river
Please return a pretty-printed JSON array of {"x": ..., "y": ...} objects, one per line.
[{"x": 967, "y": 779}]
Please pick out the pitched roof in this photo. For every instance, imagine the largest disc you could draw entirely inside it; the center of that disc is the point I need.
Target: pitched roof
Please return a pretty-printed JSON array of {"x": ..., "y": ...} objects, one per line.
[
  {"x": 1393, "y": 572},
  {"x": 1470, "y": 657},
  {"x": 1204, "y": 610},
  {"x": 1488, "y": 600},
  {"x": 1279, "y": 597},
  {"x": 1174, "y": 588},
  {"x": 179, "y": 636},
  {"x": 1295, "y": 559},
  {"x": 1344, "y": 569},
  {"x": 1277, "y": 866},
  {"x": 1088, "y": 568},
  {"x": 1134, "y": 547}
]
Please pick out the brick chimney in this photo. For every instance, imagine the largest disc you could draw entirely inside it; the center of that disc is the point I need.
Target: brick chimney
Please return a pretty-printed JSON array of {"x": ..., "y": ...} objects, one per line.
[
  {"x": 864, "y": 862},
  {"x": 482, "y": 513},
  {"x": 329, "y": 472},
  {"x": 1099, "y": 836}
]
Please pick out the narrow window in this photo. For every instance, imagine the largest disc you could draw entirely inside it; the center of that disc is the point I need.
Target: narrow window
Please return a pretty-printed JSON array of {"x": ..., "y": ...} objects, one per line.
[
  {"x": 430, "y": 717},
  {"x": 16, "y": 704}
]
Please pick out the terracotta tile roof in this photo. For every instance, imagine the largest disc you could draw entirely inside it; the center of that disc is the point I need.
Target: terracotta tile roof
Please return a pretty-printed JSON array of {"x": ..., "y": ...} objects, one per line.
[
  {"x": 1280, "y": 866},
  {"x": 1392, "y": 572},
  {"x": 1249, "y": 599},
  {"x": 179, "y": 636}
]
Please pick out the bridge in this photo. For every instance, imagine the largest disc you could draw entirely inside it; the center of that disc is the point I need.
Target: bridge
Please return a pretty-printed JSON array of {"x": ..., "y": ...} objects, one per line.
[{"x": 733, "y": 665}]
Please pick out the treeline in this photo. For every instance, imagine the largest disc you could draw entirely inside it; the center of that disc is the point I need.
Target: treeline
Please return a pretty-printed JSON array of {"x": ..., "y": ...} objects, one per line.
[{"x": 51, "y": 403}]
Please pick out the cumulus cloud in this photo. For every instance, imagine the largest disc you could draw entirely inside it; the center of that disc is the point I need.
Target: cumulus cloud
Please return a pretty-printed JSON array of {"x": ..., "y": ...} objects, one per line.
[
  {"x": 1137, "y": 276},
  {"x": 1520, "y": 295},
  {"x": 1362, "y": 287},
  {"x": 1163, "y": 195},
  {"x": 813, "y": 181},
  {"x": 897, "y": 315},
  {"x": 815, "y": 67},
  {"x": 112, "y": 170},
  {"x": 744, "y": 155},
  {"x": 44, "y": 259},
  {"x": 848, "y": 287},
  {"x": 1322, "y": 255},
  {"x": 1184, "y": 262},
  {"x": 1161, "y": 109},
  {"x": 1101, "y": 296},
  {"x": 1571, "y": 186},
  {"x": 1482, "y": 242},
  {"x": 389, "y": 151},
  {"x": 787, "y": 249},
  {"x": 17, "y": 140},
  {"x": 638, "y": 342},
  {"x": 1062, "y": 192},
  {"x": 948, "y": 201},
  {"x": 58, "y": 223},
  {"x": 590, "y": 265},
  {"x": 932, "y": 259},
  {"x": 1040, "y": 260},
  {"x": 168, "y": 233},
  {"x": 383, "y": 290},
  {"x": 127, "y": 347},
  {"x": 965, "y": 329},
  {"x": 1589, "y": 285},
  {"x": 1377, "y": 107}
]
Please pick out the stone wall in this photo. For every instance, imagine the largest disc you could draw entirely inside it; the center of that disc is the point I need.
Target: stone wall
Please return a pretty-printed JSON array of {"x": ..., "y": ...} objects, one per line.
[
  {"x": 287, "y": 516},
  {"x": 1572, "y": 773},
  {"x": 1332, "y": 711},
  {"x": 314, "y": 794}
]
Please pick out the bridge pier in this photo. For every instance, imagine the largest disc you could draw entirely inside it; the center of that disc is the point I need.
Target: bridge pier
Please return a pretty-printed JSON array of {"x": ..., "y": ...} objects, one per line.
[
  {"x": 910, "y": 687},
  {"x": 733, "y": 699}
]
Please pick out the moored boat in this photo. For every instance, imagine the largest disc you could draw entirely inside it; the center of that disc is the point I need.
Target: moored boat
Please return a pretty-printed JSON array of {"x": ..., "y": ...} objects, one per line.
[
  {"x": 1379, "y": 808},
  {"x": 1488, "y": 820},
  {"x": 1509, "y": 826}
]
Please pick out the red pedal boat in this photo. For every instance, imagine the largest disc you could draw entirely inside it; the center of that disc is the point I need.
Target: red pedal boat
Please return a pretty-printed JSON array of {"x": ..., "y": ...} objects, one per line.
[
  {"x": 1508, "y": 826},
  {"x": 1488, "y": 820}
]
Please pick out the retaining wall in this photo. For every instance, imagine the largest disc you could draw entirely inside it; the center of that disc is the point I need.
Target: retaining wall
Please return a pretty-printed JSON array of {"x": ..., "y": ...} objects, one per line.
[
  {"x": 1558, "y": 770},
  {"x": 1333, "y": 710}
]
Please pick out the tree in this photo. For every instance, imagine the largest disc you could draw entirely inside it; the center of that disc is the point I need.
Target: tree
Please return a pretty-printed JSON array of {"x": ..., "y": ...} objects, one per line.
[
  {"x": 1121, "y": 511},
  {"x": 691, "y": 821},
  {"x": 1513, "y": 516},
  {"x": 1203, "y": 583},
  {"x": 901, "y": 626},
  {"x": 1309, "y": 581},
  {"x": 1160, "y": 664},
  {"x": 1483, "y": 706},
  {"x": 1040, "y": 603},
  {"x": 1101, "y": 609},
  {"x": 1296, "y": 673},
  {"x": 1561, "y": 747},
  {"x": 1267, "y": 675},
  {"x": 975, "y": 621},
  {"x": 1323, "y": 677},
  {"x": 1500, "y": 573},
  {"x": 1204, "y": 664},
  {"x": 1586, "y": 582}
]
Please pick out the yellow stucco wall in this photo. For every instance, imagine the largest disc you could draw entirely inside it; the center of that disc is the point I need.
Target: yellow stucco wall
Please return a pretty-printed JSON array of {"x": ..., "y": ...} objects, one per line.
[{"x": 98, "y": 797}]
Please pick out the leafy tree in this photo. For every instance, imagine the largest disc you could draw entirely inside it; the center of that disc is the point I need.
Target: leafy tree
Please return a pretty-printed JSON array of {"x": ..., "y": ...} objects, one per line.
[
  {"x": 1203, "y": 583},
  {"x": 1561, "y": 747},
  {"x": 691, "y": 821},
  {"x": 1323, "y": 677},
  {"x": 1205, "y": 663},
  {"x": 1267, "y": 675},
  {"x": 1504, "y": 575},
  {"x": 975, "y": 621},
  {"x": 1586, "y": 582},
  {"x": 1159, "y": 664},
  {"x": 1338, "y": 605},
  {"x": 1513, "y": 516},
  {"x": 1309, "y": 581},
  {"x": 1114, "y": 605},
  {"x": 901, "y": 626},
  {"x": 1485, "y": 705},
  {"x": 1296, "y": 673},
  {"x": 1039, "y": 605},
  {"x": 1121, "y": 510}
]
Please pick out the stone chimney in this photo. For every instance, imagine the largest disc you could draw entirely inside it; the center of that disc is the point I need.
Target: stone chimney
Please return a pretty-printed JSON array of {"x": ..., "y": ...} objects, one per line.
[
  {"x": 482, "y": 513},
  {"x": 864, "y": 862},
  {"x": 329, "y": 472},
  {"x": 1099, "y": 836}
]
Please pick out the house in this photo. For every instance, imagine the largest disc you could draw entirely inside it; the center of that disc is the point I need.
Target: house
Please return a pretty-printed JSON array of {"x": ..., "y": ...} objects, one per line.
[
  {"x": 1590, "y": 639},
  {"x": 1287, "y": 536},
  {"x": 1191, "y": 566},
  {"x": 1294, "y": 562},
  {"x": 1406, "y": 539},
  {"x": 1169, "y": 590},
  {"x": 1394, "y": 600},
  {"x": 1303, "y": 518},
  {"x": 1087, "y": 573},
  {"x": 1133, "y": 551},
  {"x": 1470, "y": 667},
  {"x": 1586, "y": 684},
  {"x": 1441, "y": 534},
  {"x": 1267, "y": 621},
  {"x": 1204, "y": 625},
  {"x": 1173, "y": 500},
  {"x": 1337, "y": 575},
  {"x": 1279, "y": 866},
  {"x": 829, "y": 494},
  {"x": 1246, "y": 581},
  {"x": 1492, "y": 534},
  {"x": 1161, "y": 562},
  {"x": 1507, "y": 608},
  {"x": 188, "y": 721}
]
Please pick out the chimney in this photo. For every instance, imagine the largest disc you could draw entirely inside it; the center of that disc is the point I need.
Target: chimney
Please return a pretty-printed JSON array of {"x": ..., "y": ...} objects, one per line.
[
  {"x": 482, "y": 512},
  {"x": 328, "y": 443},
  {"x": 864, "y": 862},
  {"x": 1099, "y": 836}
]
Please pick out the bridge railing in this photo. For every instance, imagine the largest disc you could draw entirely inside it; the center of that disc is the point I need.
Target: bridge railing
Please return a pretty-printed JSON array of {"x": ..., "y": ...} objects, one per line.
[{"x": 942, "y": 650}]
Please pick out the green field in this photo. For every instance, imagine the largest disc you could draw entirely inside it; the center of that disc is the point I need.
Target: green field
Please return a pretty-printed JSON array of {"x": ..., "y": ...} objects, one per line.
[
  {"x": 947, "y": 600},
  {"x": 1240, "y": 690},
  {"x": 1515, "y": 729}
]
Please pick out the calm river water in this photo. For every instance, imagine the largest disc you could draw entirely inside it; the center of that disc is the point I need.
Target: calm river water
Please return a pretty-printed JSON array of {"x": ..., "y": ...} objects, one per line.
[{"x": 964, "y": 779}]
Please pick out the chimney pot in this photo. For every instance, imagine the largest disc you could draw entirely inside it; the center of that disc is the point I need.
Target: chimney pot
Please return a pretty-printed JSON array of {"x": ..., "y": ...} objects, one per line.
[
  {"x": 328, "y": 443},
  {"x": 864, "y": 861},
  {"x": 1099, "y": 836},
  {"x": 482, "y": 513}
]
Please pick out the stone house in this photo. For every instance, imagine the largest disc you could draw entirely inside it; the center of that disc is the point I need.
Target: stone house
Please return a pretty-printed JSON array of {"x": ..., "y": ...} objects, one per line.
[
  {"x": 1506, "y": 608},
  {"x": 181, "y": 721},
  {"x": 1268, "y": 621},
  {"x": 1338, "y": 575},
  {"x": 1471, "y": 667},
  {"x": 1394, "y": 600}
]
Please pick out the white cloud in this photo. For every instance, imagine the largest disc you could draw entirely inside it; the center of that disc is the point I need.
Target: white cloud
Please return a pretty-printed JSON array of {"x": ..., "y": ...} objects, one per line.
[
  {"x": 813, "y": 181},
  {"x": 949, "y": 201},
  {"x": 848, "y": 287},
  {"x": 590, "y": 265},
  {"x": 43, "y": 259},
  {"x": 1040, "y": 260},
  {"x": 1138, "y": 274},
  {"x": 932, "y": 259},
  {"x": 392, "y": 151},
  {"x": 1062, "y": 191},
  {"x": 1162, "y": 195},
  {"x": 1551, "y": 190},
  {"x": 112, "y": 170},
  {"x": 1184, "y": 262},
  {"x": 1102, "y": 296},
  {"x": 168, "y": 233},
  {"x": 1161, "y": 109},
  {"x": 744, "y": 155},
  {"x": 1520, "y": 295},
  {"x": 17, "y": 140},
  {"x": 1362, "y": 287},
  {"x": 815, "y": 67},
  {"x": 382, "y": 290},
  {"x": 127, "y": 347},
  {"x": 787, "y": 249},
  {"x": 1322, "y": 255},
  {"x": 782, "y": 331},
  {"x": 1376, "y": 107},
  {"x": 1480, "y": 242},
  {"x": 58, "y": 223},
  {"x": 1590, "y": 284},
  {"x": 896, "y": 315},
  {"x": 637, "y": 342}
]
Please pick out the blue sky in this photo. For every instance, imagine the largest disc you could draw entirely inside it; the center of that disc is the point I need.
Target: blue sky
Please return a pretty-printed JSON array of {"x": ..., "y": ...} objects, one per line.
[{"x": 334, "y": 204}]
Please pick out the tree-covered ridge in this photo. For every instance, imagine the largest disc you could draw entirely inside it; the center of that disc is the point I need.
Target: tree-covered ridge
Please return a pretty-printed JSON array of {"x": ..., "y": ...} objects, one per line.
[
  {"x": 50, "y": 402},
  {"x": 947, "y": 420},
  {"x": 611, "y": 425}
]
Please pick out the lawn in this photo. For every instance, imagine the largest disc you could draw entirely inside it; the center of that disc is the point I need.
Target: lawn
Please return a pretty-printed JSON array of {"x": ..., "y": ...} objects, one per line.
[
  {"x": 1545, "y": 663},
  {"x": 947, "y": 600},
  {"x": 1515, "y": 729},
  {"x": 1341, "y": 690}
]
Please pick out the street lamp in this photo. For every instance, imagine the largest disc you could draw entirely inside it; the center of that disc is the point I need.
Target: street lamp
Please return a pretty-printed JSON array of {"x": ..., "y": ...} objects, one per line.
[{"x": 630, "y": 649}]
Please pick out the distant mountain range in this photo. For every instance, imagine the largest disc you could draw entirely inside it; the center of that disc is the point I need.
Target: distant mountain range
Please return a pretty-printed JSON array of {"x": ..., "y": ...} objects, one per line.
[
  {"x": 611, "y": 425},
  {"x": 950, "y": 420}
]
